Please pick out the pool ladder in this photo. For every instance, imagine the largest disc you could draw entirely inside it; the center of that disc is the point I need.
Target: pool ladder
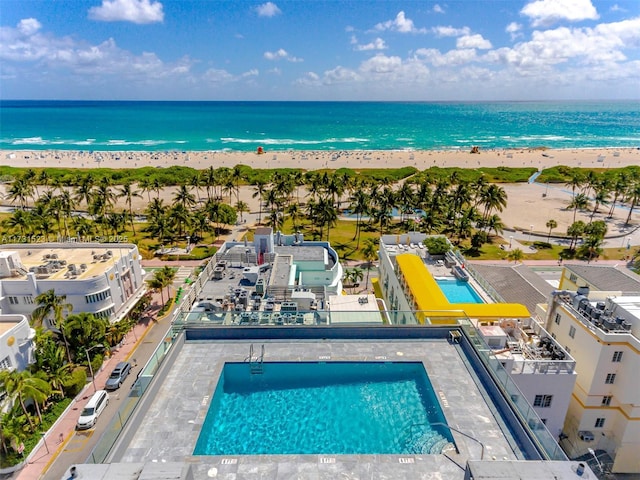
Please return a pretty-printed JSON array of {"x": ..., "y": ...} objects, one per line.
[{"x": 255, "y": 364}]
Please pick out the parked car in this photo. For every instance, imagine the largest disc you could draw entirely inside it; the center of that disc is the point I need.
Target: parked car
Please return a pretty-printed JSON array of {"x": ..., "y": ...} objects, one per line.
[
  {"x": 92, "y": 410},
  {"x": 117, "y": 376}
]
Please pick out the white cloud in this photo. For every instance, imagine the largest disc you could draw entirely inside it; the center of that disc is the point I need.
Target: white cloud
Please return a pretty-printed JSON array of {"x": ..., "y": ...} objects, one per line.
[
  {"x": 400, "y": 24},
  {"x": 281, "y": 54},
  {"x": 29, "y": 26},
  {"x": 589, "y": 47},
  {"x": 617, "y": 8},
  {"x": 268, "y": 9},
  {"x": 473, "y": 41},
  {"x": 437, "y": 9},
  {"x": 450, "y": 59},
  {"x": 547, "y": 12},
  {"x": 381, "y": 64},
  {"x": 377, "y": 44},
  {"x": 514, "y": 29},
  {"x": 135, "y": 11},
  {"x": 449, "y": 31}
]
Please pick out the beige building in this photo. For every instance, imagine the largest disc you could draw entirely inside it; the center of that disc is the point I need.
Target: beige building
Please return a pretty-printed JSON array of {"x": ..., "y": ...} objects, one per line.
[{"x": 601, "y": 332}]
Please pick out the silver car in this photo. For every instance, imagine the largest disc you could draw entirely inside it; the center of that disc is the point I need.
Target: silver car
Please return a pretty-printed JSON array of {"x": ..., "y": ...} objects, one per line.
[{"x": 118, "y": 376}]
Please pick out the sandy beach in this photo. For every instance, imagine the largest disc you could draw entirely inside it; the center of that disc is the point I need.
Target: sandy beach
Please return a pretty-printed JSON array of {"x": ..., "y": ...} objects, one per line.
[
  {"x": 316, "y": 160},
  {"x": 529, "y": 206}
]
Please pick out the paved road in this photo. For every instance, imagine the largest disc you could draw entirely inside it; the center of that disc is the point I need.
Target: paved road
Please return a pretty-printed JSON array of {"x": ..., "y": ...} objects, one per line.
[{"x": 78, "y": 448}]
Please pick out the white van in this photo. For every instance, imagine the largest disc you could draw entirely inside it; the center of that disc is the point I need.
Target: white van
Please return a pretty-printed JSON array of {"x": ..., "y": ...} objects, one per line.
[{"x": 94, "y": 407}]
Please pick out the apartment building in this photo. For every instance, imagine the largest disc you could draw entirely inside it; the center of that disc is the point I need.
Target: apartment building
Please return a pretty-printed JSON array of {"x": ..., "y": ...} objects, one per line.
[
  {"x": 601, "y": 331},
  {"x": 102, "y": 279}
]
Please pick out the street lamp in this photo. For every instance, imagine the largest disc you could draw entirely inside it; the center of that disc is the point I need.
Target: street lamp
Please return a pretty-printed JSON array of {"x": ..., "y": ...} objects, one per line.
[
  {"x": 530, "y": 231},
  {"x": 510, "y": 241},
  {"x": 93, "y": 379},
  {"x": 44, "y": 439},
  {"x": 188, "y": 242}
]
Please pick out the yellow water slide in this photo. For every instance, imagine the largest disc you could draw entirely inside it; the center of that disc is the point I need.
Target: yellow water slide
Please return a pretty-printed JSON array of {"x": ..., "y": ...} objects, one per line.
[{"x": 431, "y": 303}]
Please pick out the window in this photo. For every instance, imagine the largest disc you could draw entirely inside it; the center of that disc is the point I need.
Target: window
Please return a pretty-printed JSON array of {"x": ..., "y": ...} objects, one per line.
[
  {"x": 606, "y": 400},
  {"x": 617, "y": 357},
  {"x": 5, "y": 363},
  {"x": 572, "y": 331},
  {"x": 28, "y": 299},
  {"x": 13, "y": 300},
  {"x": 98, "y": 297},
  {"x": 543, "y": 401},
  {"x": 599, "y": 422},
  {"x": 557, "y": 319},
  {"x": 611, "y": 378}
]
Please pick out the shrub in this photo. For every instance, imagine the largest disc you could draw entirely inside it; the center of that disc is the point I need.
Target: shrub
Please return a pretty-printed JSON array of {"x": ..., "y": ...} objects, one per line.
[{"x": 76, "y": 383}]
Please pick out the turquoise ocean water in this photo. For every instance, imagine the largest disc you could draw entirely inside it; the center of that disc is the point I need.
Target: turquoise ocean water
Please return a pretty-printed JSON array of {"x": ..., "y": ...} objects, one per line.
[{"x": 193, "y": 126}]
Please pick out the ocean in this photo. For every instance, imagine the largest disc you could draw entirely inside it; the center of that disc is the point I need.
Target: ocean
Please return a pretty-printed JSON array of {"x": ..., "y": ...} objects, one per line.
[{"x": 245, "y": 126}]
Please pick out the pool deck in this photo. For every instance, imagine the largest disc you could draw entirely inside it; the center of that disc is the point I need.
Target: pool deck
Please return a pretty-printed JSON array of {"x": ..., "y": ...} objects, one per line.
[{"x": 171, "y": 426}]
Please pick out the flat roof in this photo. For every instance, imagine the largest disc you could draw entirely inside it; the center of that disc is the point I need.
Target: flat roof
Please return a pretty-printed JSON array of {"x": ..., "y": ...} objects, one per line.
[
  {"x": 302, "y": 253},
  {"x": 189, "y": 386},
  {"x": 72, "y": 254}
]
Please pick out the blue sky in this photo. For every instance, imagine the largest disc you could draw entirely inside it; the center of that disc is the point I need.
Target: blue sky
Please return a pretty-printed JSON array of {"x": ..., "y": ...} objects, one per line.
[{"x": 319, "y": 50}]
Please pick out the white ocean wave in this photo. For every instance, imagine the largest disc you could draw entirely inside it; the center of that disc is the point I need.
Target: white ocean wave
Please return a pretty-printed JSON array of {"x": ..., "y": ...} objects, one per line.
[
  {"x": 290, "y": 141},
  {"x": 29, "y": 141}
]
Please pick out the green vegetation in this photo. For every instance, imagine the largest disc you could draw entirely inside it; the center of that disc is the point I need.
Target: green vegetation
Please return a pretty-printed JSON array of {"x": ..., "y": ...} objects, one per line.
[{"x": 37, "y": 396}]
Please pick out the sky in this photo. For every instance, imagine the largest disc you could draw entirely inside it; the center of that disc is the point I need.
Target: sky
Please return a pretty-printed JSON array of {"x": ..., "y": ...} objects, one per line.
[{"x": 345, "y": 50}]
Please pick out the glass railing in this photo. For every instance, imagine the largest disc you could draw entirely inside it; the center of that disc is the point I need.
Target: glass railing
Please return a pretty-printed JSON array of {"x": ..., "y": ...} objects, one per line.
[
  {"x": 545, "y": 440},
  {"x": 124, "y": 413},
  {"x": 348, "y": 319}
]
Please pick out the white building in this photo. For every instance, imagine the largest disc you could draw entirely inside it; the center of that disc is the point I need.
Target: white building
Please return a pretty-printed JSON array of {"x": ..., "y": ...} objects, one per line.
[
  {"x": 102, "y": 279},
  {"x": 601, "y": 330},
  {"x": 16, "y": 342},
  {"x": 542, "y": 370}
]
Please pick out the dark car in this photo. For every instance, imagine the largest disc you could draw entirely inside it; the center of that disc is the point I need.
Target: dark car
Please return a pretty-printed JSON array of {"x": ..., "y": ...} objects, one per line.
[{"x": 118, "y": 375}]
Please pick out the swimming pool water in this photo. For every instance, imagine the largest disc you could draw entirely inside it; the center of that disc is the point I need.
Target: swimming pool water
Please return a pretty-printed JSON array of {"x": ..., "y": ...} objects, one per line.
[
  {"x": 323, "y": 408},
  {"x": 458, "y": 291}
]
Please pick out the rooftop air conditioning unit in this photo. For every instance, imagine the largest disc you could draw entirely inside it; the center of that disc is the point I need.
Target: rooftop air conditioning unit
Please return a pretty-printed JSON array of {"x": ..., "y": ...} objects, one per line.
[{"x": 586, "y": 436}]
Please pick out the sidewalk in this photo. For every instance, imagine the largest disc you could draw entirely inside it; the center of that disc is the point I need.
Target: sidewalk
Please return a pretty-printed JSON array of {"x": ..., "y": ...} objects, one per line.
[{"x": 56, "y": 438}]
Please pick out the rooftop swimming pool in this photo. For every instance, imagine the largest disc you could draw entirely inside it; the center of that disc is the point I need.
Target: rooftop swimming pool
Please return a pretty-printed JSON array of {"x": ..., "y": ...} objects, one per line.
[
  {"x": 324, "y": 408},
  {"x": 458, "y": 291}
]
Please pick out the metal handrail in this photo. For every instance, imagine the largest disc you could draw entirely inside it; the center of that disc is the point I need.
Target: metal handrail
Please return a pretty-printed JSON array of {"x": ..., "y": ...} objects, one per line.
[{"x": 455, "y": 430}]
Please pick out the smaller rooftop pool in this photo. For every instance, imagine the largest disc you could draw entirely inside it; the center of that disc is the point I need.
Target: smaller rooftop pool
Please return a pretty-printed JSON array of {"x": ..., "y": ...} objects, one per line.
[{"x": 458, "y": 291}]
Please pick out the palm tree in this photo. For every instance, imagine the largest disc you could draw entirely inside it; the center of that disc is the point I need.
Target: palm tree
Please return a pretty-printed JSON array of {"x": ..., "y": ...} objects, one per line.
[
  {"x": 20, "y": 190},
  {"x": 370, "y": 252},
  {"x": 25, "y": 386},
  {"x": 184, "y": 197},
  {"x": 167, "y": 275},
  {"x": 576, "y": 180},
  {"x": 260, "y": 188},
  {"x": 551, "y": 224},
  {"x": 516, "y": 255},
  {"x": 353, "y": 276},
  {"x": 52, "y": 305},
  {"x": 492, "y": 198},
  {"x": 359, "y": 206},
  {"x": 242, "y": 207},
  {"x": 633, "y": 194},
  {"x": 579, "y": 202},
  {"x": 575, "y": 231},
  {"x": 127, "y": 192},
  {"x": 21, "y": 220},
  {"x": 13, "y": 432}
]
